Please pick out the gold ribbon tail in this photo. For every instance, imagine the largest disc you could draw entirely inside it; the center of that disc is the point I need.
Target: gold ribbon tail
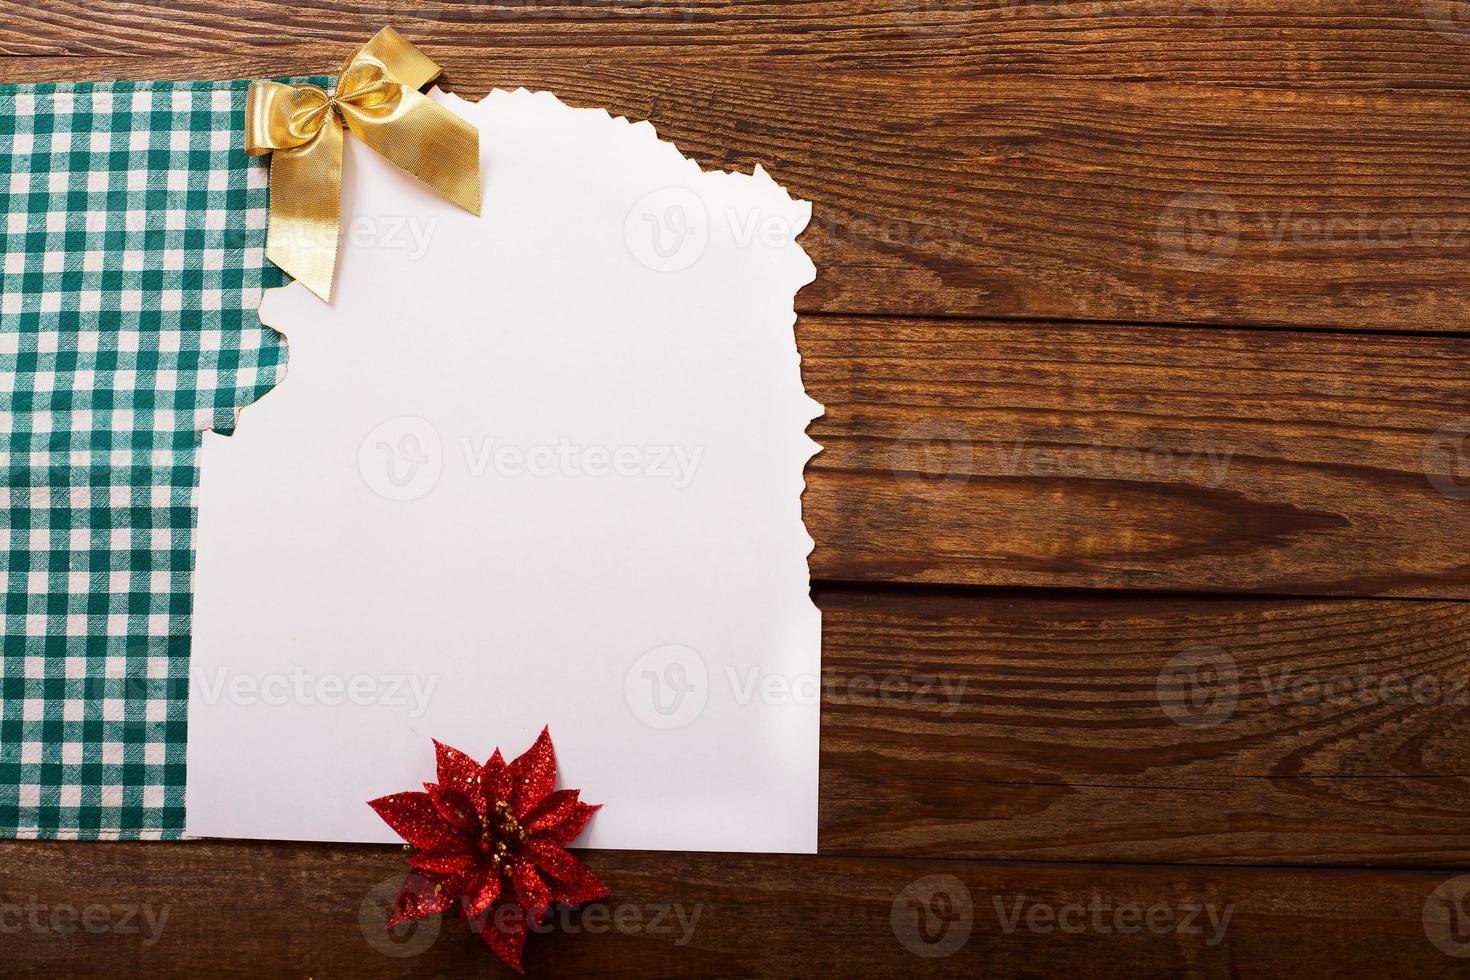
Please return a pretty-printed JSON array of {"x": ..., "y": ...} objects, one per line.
[{"x": 305, "y": 212}]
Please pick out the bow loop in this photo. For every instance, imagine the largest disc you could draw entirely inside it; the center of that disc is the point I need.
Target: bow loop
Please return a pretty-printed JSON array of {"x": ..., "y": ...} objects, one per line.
[
  {"x": 377, "y": 98},
  {"x": 283, "y": 117}
]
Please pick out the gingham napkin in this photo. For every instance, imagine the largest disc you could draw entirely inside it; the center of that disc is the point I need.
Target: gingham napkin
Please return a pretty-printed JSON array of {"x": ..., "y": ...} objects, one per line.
[{"x": 131, "y": 266}]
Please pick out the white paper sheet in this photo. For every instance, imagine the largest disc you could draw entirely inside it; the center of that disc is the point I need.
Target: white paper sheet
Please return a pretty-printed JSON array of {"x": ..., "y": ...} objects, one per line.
[{"x": 540, "y": 467}]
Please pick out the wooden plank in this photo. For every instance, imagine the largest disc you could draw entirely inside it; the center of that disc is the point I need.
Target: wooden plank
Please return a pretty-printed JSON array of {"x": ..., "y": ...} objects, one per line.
[
  {"x": 965, "y": 191},
  {"x": 1092, "y": 728},
  {"x": 1365, "y": 44},
  {"x": 311, "y": 910},
  {"x": 1138, "y": 458}
]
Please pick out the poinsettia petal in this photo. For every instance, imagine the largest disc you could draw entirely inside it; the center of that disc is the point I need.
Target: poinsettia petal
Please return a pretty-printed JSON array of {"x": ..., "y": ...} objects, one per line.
[
  {"x": 496, "y": 780},
  {"x": 584, "y": 887},
  {"x": 456, "y": 770},
  {"x": 571, "y": 828},
  {"x": 506, "y": 934},
  {"x": 416, "y": 899},
  {"x": 414, "y": 817},
  {"x": 533, "y": 775},
  {"x": 484, "y": 889},
  {"x": 552, "y": 811},
  {"x": 530, "y": 890},
  {"x": 553, "y": 860},
  {"x": 454, "y": 806},
  {"x": 442, "y": 860}
]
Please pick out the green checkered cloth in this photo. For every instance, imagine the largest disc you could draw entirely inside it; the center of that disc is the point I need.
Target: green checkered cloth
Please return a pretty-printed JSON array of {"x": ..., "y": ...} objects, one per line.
[{"x": 131, "y": 265}]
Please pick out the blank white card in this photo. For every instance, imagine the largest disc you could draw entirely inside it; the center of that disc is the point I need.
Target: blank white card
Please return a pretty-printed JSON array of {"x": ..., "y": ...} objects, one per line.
[{"x": 541, "y": 467}]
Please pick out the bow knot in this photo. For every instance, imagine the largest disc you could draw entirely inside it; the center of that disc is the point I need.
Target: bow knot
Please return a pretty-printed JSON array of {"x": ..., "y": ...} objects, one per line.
[{"x": 377, "y": 98}]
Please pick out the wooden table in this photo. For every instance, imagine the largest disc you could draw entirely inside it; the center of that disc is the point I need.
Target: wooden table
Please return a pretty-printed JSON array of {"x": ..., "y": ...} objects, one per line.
[{"x": 1142, "y": 519}]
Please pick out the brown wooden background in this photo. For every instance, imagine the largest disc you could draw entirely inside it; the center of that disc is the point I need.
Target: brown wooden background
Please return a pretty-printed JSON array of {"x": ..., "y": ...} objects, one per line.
[{"x": 1143, "y": 329}]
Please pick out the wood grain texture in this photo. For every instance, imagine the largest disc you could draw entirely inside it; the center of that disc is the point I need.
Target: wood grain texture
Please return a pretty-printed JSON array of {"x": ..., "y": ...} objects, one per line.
[
  {"x": 1320, "y": 44},
  {"x": 1107, "y": 729},
  {"x": 244, "y": 910},
  {"x": 965, "y": 191},
  {"x": 1034, "y": 454}
]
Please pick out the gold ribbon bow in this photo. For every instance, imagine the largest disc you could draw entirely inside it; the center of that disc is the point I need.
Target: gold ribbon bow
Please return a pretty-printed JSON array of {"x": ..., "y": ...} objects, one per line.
[{"x": 378, "y": 98}]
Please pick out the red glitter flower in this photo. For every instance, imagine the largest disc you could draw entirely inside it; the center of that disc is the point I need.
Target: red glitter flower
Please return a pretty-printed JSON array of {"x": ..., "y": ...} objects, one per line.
[{"x": 492, "y": 838}]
